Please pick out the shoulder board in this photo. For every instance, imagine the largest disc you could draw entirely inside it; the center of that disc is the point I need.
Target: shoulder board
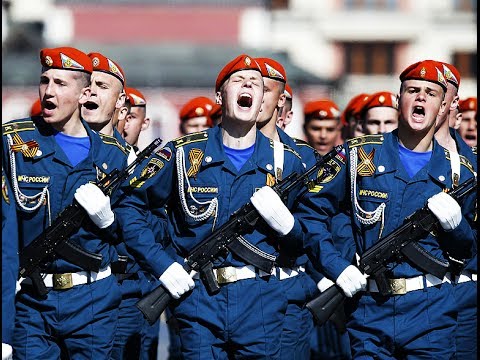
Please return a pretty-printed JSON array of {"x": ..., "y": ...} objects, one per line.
[
  {"x": 17, "y": 126},
  {"x": 465, "y": 162},
  {"x": 301, "y": 142},
  {"x": 474, "y": 149},
  {"x": 287, "y": 148},
  {"x": 190, "y": 138},
  {"x": 364, "y": 140},
  {"x": 110, "y": 140}
]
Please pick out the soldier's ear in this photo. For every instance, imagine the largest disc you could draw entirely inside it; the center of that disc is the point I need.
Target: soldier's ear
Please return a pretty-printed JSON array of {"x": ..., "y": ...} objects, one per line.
[
  {"x": 281, "y": 100},
  {"x": 120, "y": 100},
  {"x": 84, "y": 95}
]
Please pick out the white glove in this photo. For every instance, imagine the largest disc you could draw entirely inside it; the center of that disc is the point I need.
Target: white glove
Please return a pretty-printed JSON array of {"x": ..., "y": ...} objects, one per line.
[
  {"x": 351, "y": 280},
  {"x": 324, "y": 284},
  {"x": 176, "y": 280},
  {"x": 96, "y": 204},
  {"x": 446, "y": 209},
  {"x": 18, "y": 285},
  {"x": 273, "y": 210},
  {"x": 6, "y": 352}
]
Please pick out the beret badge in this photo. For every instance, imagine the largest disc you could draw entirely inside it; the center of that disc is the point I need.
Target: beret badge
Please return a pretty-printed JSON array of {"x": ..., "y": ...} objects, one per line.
[
  {"x": 247, "y": 61},
  {"x": 48, "y": 60}
]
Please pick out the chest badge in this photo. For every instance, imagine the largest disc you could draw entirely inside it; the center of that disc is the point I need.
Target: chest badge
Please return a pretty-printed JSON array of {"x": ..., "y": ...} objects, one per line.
[
  {"x": 195, "y": 156},
  {"x": 28, "y": 149},
  {"x": 366, "y": 167},
  {"x": 270, "y": 180}
]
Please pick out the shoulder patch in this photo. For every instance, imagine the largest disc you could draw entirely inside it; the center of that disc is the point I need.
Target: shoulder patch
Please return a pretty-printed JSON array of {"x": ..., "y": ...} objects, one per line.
[
  {"x": 365, "y": 139},
  {"x": 17, "y": 126},
  {"x": 110, "y": 140},
  {"x": 190, "y": 138},
  {"x": 300, "y": 142}
]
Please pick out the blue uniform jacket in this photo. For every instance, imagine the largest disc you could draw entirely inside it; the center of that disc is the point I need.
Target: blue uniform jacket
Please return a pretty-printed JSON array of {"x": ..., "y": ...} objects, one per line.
[
  {"x": 10, "y": 261},
  {"x": 210, "y": 175},
  {"x": 49, "y": 167},
  {"x": 381, "y": 178}
]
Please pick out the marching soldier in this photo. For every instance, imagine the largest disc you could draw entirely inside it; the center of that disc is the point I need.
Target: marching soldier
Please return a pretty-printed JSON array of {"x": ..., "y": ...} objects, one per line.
[
  {"x": 468, "y": 126},
  {"x": 203, "y": 178},
  {"x": 384, "y": 179},
  {"x": 379, "y": 114},
  {"x": 46, "y": 159}
]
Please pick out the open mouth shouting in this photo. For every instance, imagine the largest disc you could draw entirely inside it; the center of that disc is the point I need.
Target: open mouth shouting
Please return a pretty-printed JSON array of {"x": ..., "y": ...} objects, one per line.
[
  {"x": 90, "y": 105},
  {"x": 245, "y": 101},
  {"x": 418, "y": 113},
  {"x": 48, "y": 108}
]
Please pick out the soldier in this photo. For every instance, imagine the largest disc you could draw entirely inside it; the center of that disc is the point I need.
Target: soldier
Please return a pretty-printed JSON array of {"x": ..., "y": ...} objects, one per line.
[
  {"x": 298, "y": 286},
  {"x": 322, "y": 124},
  {"x": 379, "y": 114},
  {"x": 351, "y": 117},
  {"x": 285, "y": 115},
  {"x": 468, "y": 126},
  {"x": 46, "y": 160},
  {"x": 195, "y": 115},
  {"x": 384, "y": 179},
  {"x": 203, "y": 178},
  {"x": 464, "y": 276},
  {"x": 137, "y": 119}
]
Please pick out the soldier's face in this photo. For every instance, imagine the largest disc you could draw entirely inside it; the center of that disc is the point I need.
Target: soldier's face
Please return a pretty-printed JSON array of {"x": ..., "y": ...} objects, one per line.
[
  {"x": 135, "y": 122},
  {"x": 106, "y": 95},
  {"x": 273, "y": 98},
  {"x": 379, "y": 120},
  {"x": 322, "y": 134},
  {"x": 420, "y": 103},
  {"x": 60, "y": 92},
  {"x": 451, "y": 99},
  {"x": 241, "y": 96},
  {"x": 195, "y": 124},
  {"x": 468, "y": 127}
]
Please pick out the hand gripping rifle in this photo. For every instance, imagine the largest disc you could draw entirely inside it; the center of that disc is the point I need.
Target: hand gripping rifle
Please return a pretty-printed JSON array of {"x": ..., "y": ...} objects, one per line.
[
  {"x": 401, "y": 243},
  {"x": 228, "y": 237},
  {"x": 54, "y": 241}
]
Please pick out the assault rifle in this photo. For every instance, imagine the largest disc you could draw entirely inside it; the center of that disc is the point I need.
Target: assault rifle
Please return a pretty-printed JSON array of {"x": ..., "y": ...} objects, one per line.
[
  {"x": 400, "y": 244},
  {"x": 228, "y": 237},
  {"x": 54, "y": 242}
]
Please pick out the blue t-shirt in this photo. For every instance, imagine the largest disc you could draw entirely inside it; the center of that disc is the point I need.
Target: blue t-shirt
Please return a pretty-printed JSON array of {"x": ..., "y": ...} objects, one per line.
[
  {"x": 413, "y": 161},
  {"x": 76, "y": 148},
  {"x": 239, "y": 156}
]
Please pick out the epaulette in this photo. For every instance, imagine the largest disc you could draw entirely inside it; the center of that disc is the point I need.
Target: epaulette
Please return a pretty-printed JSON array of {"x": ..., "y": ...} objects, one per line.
[
  {"x": 17, "y": 126},
  {"x": 364, "y": 140},
  {"x": 287, "y": 148},
  {"x": 190, "y": 138},
  {"x": 110, "y": 140},
  {"x": 474, "y": 149},
  {"x": 465, "y": 162},
  {"x": 301, "y": 142}
]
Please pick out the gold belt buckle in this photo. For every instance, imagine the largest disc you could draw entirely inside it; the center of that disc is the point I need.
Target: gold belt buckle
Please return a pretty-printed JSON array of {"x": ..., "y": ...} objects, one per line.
[
  {"x": 62, "y": 281},
  {"x": 398, "y": 286},
  {"x": 226, "y": 275}
]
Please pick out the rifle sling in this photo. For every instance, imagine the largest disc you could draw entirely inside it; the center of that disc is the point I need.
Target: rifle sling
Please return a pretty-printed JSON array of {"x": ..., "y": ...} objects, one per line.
[{"x": 424, "y": 260}]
